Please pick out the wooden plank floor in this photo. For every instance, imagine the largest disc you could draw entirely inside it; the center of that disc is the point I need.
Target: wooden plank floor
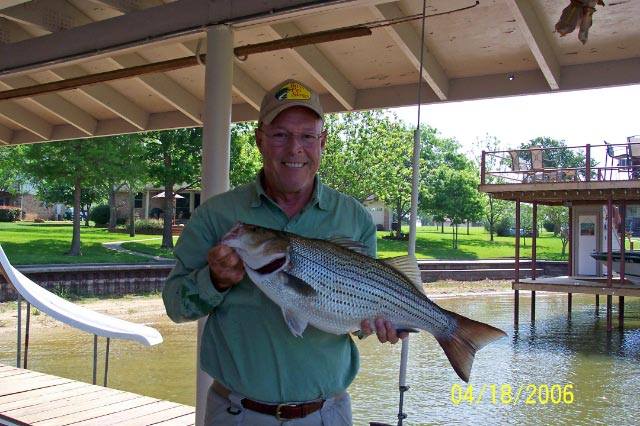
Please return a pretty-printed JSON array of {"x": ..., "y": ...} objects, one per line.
[{"x": 32, "y": 398}]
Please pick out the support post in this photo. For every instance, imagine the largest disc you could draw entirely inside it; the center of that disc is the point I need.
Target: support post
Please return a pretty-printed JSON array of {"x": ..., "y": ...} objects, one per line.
[
  {"x": 622, "y": 233},
  {"x": 516, "y": 301},
  {"x": 597, "y": 304},
  {"x": 147, "y": 196},
  {"x": 569, "y": 301},
  {"x": 534, "y": 238},
  {"x": 106, "y": 363},
  {"x": 215, "y": 150},
  {"x": 483, "y": 168},
  {"x": 609, "y": 260},
  {"x": 588, "y": 163},
  {"x": 26, "y": 336},
  {"x": 95, "y": 358},
  {"x": 570, "y": 242},
  {"x": 533, "y": 306},
  {"x": 19, "y": 334},
  {"x": 609, "y": 312},
  {"x": 621, "y": 312}
]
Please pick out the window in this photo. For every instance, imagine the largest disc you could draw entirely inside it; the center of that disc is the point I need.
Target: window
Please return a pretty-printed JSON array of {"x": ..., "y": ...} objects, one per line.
[{"x": 137, "y": 201}]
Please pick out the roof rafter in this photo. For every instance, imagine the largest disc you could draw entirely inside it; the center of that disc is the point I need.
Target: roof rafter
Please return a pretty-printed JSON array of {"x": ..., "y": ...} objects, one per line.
[
  {"x": 244, "y": 86},
  {"x": 108, "y": 97},
  {"x": 127, "y": 6},
  {"x": 6, "y": 135},
  {"x": 164, "y": 87},
  {"x": 538, "y": 42},
  {"x": 320, "y": 67},
  {"x": 48, "y": 15},
  {"x": 26, "y": 119},
  {"x": 57, "y": 105},
  {"x": 409, "y": 42}
]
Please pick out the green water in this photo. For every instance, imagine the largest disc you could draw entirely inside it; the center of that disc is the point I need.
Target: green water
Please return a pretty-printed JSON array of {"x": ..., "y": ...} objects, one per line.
[{"x": 602, "y": 369}]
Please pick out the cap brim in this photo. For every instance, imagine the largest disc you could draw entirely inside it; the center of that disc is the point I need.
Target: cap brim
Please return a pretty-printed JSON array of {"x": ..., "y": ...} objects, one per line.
[{"x": 271, "y": 115}]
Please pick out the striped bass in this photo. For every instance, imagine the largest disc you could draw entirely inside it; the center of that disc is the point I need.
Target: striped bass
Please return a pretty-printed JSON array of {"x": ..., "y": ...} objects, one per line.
[{"x": 333, "y": 286}]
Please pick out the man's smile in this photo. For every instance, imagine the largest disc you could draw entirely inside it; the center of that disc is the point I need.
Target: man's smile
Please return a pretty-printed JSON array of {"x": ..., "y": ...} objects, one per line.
[{"x": 294, "y": 165}]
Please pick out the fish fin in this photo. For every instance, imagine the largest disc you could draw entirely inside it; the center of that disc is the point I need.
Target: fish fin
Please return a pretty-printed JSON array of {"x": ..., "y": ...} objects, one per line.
[
  {"x": 350, "y": 244},
  {"x": 408, "y": 266},
  {"x": 468, "y": 337},
  {"x": 298, "y": 285},
  {"x": 295, "y": 322}
]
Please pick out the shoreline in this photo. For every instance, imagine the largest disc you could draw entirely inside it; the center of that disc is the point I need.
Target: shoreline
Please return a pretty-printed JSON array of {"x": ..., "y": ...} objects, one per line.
[{"x": 141, "y": 308}]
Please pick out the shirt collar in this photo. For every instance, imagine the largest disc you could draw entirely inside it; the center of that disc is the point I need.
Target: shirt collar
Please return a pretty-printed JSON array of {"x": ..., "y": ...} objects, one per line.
[{"x": 319, "y": 196}]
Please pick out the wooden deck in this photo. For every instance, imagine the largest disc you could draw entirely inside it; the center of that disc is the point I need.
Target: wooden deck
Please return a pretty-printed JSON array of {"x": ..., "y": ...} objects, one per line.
[
  {"x": 28, "y": 397},
  {"x": 585, "y": 285}
]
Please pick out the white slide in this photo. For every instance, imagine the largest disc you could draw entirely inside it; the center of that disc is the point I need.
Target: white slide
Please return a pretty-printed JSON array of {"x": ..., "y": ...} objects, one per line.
[{"x": 74, "y": 315}]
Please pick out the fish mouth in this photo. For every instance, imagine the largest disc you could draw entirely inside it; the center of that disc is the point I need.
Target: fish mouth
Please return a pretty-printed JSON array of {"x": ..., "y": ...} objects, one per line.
[{"x": 273, "y": 266}]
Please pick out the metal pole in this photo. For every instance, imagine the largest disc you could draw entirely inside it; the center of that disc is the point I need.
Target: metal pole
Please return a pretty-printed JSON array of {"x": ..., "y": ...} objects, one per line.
[
  {"x": 26, "y": 336},
  {"x": 609, "y": 259},
  {"x": 516, "y": 301},
  {"x": 106, "y": 363},
  {"x": 621, "y": 312},
  {"x": 95, "y": 357},
  {"x": 19, "y": 337},
  {"x": 215, "y": 151},
  {"x": 622, "y": 241},
  {"x": 569, "y": 300}
]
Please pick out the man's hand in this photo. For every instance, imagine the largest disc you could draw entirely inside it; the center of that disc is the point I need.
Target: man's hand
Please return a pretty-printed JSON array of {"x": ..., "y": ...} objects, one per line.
[
  {"x": 385, "y": 330},
  {"x": 225, "y": 267}
]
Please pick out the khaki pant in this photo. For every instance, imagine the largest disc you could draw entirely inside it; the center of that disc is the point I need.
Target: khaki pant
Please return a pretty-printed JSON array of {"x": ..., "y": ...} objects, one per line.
[{"x": 221, "y": 411}]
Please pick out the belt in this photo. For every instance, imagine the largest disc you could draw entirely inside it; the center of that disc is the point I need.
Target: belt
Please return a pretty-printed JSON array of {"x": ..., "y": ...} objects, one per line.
[{"x": 279, "y": 411}]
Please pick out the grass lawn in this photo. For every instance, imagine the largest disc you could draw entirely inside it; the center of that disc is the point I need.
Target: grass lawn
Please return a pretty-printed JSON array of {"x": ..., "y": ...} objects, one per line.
[
  {"x": 151, "y": 247},
  {"x": 432, "y": 244},
  {"x": 37, "y": 243}
]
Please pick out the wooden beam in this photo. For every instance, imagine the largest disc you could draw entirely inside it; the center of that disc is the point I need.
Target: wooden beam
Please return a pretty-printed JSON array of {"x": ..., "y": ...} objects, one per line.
[
  {"x": 108, "y": 97},
  {"x": 169, "y": 90},
  {"x": 57, "y": 105},
  {"x": 11, "y": 32},
  {"x": 320, "y": 67},
  {"x": 6, "y": 135},
  {"x": 48, "y": 15},
  {"x": 128, "y": 6},
  {"x": 26, "y": 119},
  {"x": 536, "y": 38},
  {"x": 408, "y": 40}
]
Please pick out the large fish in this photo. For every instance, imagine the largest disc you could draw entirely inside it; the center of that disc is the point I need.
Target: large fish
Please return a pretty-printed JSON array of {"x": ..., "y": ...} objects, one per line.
[{"x": 334, "y": 286}]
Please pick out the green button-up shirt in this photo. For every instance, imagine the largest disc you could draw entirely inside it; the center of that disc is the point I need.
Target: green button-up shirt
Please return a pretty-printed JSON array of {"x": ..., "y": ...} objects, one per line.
[{"x": 246, "y": 344}]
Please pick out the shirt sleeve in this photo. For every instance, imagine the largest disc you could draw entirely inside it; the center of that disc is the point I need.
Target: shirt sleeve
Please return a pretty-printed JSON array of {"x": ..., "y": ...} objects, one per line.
[
  {"x": 369, "y": 237},
  {"x": 189, "y": 293}
]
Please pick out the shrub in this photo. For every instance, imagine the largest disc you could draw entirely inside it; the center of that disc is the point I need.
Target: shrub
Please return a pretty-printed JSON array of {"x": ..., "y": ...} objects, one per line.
[
  {"x": 149, "y": 226},
  {"x": 503, "y": 226},
  {"x": 9, "y": 214},
  {"x": 549, "y": 226},
  {"x": 100, "y": 214}
]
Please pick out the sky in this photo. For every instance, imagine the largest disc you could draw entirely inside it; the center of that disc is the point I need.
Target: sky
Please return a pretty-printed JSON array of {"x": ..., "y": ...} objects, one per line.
[{"x": 578, "y": 118}]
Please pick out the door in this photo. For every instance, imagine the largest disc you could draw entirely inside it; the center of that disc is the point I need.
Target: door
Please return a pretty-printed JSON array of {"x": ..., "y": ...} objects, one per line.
[{"x": 587, "y": 244}]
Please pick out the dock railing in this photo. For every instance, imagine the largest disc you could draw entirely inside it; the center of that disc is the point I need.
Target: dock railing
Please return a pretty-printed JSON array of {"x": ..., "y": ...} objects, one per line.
[{"x": 602, "y": 162}]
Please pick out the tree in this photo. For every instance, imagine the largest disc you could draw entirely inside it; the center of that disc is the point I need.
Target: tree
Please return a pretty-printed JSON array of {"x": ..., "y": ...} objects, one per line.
[
  {"x": 453, "y": 194},
  {"x": 494, "y": 209},
  {"x": 12, "y": 176},
  {"x": 245, "y": 157},
  {"x": 173, "y": 158},
  {"x": 62, "y": 171}
]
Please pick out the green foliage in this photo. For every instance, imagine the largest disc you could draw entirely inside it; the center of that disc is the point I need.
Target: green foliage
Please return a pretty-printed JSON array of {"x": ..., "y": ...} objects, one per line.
[
  {"x": 9, "y": 214},
  {"x": 12, "y": 176},
  {"x": 149, "y": 226},
  {"x": 245, "y": 157},
  {"x": 503, "y": 226},
  {"x": 100, "y": 214},
  {"x": 548, "y": 226}
]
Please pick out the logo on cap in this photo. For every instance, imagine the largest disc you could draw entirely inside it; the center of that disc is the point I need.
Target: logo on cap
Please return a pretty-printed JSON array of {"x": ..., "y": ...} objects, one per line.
[{"x": 293, "y": 91}]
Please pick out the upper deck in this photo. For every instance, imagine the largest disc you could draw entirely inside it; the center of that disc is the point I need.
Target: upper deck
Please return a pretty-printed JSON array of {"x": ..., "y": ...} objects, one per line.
[{"x": 568, "y": 174}]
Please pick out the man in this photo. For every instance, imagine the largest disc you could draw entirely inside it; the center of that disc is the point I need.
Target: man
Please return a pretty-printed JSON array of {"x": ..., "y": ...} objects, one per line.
[{"x": 263, "y": 374}]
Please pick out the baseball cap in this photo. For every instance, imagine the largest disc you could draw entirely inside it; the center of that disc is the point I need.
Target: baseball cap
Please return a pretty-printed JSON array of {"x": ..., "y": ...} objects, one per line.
[{"x": 285, "y": 95}]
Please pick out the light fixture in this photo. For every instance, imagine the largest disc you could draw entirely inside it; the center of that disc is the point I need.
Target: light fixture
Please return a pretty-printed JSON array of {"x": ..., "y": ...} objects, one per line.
[{"x": 511, "y": 76}]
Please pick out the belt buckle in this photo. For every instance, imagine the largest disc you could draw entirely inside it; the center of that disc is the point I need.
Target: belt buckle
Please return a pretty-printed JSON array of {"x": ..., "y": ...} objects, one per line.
[{"x": 279, "y": 407}]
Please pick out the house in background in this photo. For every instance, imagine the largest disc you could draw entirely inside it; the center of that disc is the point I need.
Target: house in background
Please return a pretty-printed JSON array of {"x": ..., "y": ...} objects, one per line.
[
  {"x": 32, "y": 207},
  {"x": 380, "y": 213},
  {"x": 149, "y": 203}
]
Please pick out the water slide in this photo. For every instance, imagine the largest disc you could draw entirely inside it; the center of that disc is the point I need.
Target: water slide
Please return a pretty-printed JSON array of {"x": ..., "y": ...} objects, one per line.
[{"x": 75, "y": 315}]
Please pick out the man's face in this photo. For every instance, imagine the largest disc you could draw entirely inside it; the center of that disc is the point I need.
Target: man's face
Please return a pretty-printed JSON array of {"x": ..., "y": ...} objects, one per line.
[{"x": 291, "y": 147}]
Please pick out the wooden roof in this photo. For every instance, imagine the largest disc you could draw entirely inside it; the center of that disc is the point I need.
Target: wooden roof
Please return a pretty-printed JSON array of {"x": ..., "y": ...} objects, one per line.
[{"x": 497, "y": 48}]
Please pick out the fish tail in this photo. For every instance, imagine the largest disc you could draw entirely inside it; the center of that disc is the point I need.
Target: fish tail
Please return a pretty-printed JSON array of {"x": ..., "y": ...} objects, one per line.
[{"x": 468, "y": 337}]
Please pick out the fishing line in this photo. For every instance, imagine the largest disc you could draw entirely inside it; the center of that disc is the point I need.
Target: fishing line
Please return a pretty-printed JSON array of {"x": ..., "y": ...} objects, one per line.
[{"x": 404, "y": 355}]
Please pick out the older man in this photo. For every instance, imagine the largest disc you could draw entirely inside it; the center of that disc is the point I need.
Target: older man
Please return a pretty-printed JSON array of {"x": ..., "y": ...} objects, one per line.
[{"x": 263, "y": 374}]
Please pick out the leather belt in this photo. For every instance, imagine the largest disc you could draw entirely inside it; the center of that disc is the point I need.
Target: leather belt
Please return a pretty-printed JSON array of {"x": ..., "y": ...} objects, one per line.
[{"x": 279, "y": 411}]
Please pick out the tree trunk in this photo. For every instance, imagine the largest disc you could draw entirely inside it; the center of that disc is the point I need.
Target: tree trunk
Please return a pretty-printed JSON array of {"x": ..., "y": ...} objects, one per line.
[
  {"x": 132, "y": 219},
  {"x": 442, "y": 227},
  {"x": 167, "y": 237},
  {"x": 399, "y": 216},
  {"x": 75, "y": 240},
  {"x": 113, "y": 213},
  {"x": 467, "y": 227}
]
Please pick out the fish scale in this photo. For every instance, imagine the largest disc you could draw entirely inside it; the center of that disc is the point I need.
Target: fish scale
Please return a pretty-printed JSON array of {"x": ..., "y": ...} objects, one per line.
[{"x": 334, "y": 288}]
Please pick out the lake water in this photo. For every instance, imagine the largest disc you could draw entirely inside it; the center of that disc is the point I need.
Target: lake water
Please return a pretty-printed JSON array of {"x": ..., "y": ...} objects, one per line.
[{"x": 602, "y": 369}]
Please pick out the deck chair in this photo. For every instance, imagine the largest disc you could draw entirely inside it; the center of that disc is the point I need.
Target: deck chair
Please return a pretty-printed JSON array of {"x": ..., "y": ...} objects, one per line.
[
  {"x": 75, "y": 315},
  {"x": 537, "y": 165},
  {"x": 515, "y": 163}
]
